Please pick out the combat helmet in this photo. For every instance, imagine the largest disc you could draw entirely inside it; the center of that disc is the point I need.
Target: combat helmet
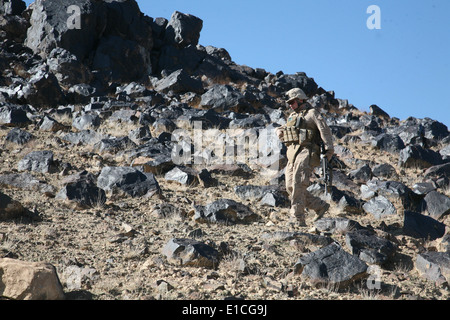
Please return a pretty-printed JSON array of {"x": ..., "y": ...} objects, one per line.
[{"x": 295, "y": 93}]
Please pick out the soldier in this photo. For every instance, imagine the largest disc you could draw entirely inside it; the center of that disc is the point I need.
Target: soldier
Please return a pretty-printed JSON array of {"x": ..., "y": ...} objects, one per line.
[{"x": 303, "y": 134}]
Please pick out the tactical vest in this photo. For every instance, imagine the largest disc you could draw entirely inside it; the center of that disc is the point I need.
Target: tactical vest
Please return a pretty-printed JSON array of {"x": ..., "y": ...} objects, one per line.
[{"x": 296, "y": 131}]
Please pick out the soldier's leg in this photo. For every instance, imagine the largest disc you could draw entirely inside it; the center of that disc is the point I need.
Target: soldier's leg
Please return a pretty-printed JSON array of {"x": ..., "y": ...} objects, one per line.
[
  {"x": 316, "y": 204},
  {"x": 289, "y": 178},
  {"x": 301, "y": 182},
  {"x": 312, "y": 202}
]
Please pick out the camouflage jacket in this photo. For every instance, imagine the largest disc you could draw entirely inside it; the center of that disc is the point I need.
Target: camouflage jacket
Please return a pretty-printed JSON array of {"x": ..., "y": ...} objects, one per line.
[{"x": 307, "y": 129}]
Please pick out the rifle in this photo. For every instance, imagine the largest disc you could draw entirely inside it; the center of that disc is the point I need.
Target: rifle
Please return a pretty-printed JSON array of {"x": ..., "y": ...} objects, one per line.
[{"x": 327, "y": 170}]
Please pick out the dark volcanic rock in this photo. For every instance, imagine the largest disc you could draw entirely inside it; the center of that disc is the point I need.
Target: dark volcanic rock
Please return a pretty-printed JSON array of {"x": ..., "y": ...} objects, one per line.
[
  {"x": 182, "y": 175},
  {"x": 379, "y": 207},
  {"x": 12, "y": 7},
  {"x": 225, "y": 211},
  {"x": 223, "y": 98},
  {"x": 49, "y": 28},
  {"x": 39, "y": 161},
  {"x": 88, "y": 137},
  {"x": 420, "y": 226},
  {"x": 384, "y": 170},
  {"x": 13, "y": 27},
  {"x": 275, "y": 198},
  {"x": 192, "y": 253},
  {"x": 417, "y": 156},
  {"x": 437, "y": 204},
  {"x": 9, "y": 208},
  {"x": 49, "y": 124},
  {"x": 369, "y": 247},
  {"x": 179, "y": 82},
  {"x": 128, "y": 181},
  {"x": 393, "y": 191},
  {"x": 423, "y": 188},
  {"x": 250, "y": 192},
  {"x": 435, "y": 266},
  {"x": 13, "y": 115},
  {"x": 19, "y": 136},
  {"x": 300, "y": 80},
  {"x": 390, "y": 143},
  {"x": 83, "y": 191},
  {"x": 331, "y": 265},
  {"x": 438, "y": 171},
  {"x": 362, "y": 174},
  {"x": 113, "y": 37},
  {"x": 86, "y": 121},
  {"x": 266, "y": 195},
  {"x": 183, "y": 30},
  {"x": 113, "y": 145},
  {"x": 42, "y": 89},
  {"x": 67, "y": 68},
  {"x": 336, "y": 225}
]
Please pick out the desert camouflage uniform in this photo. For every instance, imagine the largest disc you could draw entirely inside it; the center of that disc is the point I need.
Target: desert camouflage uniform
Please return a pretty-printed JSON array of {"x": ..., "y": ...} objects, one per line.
[{"x": 303, "y": 155}]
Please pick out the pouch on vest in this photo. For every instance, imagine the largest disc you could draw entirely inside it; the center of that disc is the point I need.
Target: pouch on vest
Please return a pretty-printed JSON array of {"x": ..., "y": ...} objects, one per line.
[{"x": 290, "y": 135}]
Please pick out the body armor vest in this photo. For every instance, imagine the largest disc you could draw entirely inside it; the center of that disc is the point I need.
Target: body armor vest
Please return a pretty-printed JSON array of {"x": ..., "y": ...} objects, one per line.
[{"x": 297, "y": 131}]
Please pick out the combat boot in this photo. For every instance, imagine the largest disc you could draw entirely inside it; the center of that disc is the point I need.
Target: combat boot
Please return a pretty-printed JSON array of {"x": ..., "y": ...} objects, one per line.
[
  {"x": 321, "y": 212},
  {"x": 297, "y": 216},
  {"x": 300, "y": 220}
]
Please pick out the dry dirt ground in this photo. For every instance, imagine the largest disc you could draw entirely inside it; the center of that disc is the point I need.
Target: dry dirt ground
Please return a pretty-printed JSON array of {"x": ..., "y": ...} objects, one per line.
[{"x": 114, "y": 251}]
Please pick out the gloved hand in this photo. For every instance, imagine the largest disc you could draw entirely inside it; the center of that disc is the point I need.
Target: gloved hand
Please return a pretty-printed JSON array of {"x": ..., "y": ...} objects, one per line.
[{"x": 279, "y": 132}]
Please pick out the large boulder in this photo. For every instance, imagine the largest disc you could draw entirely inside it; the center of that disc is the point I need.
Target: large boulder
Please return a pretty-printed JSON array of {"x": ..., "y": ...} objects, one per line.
[
  {"x": 436, "y": 204},
  {"x": 81, "y": 190},
  {"x": 417, "y": 156},
  {"x": 42, "y": 89},
  {"x": 38, "y": 161},
  {"x": 179, "y": 82},
  {"x": 12, "y": 24},
  {"x": 13, "y": 115},
  {"x": 369, "y": 247},
  {"x": 223, "y": 98},
  {"x": 434, "y": 266},
  {"x": 331, "y": 265},
  {"x": 67, "y": 68},
  {"x": 113, "y": 37},
  {"x": 127, "y": 180},
  {"x": 50, "y": 27},
  {"x": 124, "y": 50},
  {"x": 12, "y": 7},
  {"x": 388, "y": 142},
  {"x": 380, "y": 207},
  {"x": 22, "y": 280},
  {"x": 183, "y": 30},
  {"x": 422, "y": 227}
]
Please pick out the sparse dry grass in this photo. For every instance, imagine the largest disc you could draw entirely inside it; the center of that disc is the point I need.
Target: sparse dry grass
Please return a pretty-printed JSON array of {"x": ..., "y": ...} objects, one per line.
[{"x": 85, "y": 237}]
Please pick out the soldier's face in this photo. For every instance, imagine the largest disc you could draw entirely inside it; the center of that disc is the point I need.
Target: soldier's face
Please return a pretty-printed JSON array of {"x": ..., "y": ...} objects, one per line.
[
  {"x": 296, "y": 104},
  {"x": 293, "y": 105}
]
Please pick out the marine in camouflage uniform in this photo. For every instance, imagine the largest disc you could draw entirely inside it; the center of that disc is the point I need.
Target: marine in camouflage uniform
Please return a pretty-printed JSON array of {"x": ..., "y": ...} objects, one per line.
[{"x": 303, "y": 133}]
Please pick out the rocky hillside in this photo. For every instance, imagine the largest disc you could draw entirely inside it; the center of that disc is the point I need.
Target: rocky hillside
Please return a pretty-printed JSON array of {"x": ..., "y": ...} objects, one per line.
[{"x": 137, "y": 163}]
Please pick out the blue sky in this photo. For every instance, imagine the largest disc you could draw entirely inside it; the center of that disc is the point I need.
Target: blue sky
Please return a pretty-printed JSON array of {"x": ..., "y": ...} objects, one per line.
[{"x": 403, "y": 67}]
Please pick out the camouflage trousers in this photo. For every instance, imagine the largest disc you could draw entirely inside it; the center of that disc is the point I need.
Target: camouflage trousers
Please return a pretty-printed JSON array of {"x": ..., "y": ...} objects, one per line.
[{"x": 297, "y": 175}]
